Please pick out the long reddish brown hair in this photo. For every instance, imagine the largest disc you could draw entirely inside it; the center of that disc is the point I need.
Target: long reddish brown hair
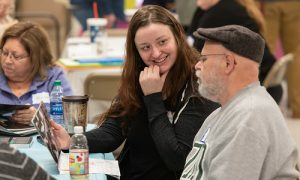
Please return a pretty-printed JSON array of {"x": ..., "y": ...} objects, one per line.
[{"x": 129, "y": 98}]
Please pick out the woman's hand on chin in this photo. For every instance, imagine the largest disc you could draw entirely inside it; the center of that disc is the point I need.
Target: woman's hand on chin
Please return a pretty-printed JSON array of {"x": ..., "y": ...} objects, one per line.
[{"x": 151, "y": 81}]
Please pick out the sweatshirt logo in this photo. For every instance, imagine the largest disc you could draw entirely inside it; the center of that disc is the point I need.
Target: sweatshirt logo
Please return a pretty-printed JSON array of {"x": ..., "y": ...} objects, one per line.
[{"x": 193, "y": 168}]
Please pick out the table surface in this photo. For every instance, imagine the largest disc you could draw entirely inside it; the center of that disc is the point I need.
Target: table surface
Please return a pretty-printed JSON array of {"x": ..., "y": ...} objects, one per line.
[
  {"x": 76, "y": 73},
  {"x": 42, "y": 156},
  {"x": 79, "y": 49}
]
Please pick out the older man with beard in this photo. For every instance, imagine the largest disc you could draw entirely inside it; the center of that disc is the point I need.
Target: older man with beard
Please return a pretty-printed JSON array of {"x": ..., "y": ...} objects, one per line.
[{"x": 247, "y": 137}]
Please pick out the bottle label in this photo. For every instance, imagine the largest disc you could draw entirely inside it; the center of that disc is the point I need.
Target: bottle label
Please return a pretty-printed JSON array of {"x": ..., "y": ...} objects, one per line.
[
  {"x": 56, "y": 108},
  {"x": 79, "y": 162}
]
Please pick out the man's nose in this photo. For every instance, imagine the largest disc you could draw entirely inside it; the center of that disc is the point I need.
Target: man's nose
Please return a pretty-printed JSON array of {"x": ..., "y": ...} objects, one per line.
[{"x": 198, "y": 66}]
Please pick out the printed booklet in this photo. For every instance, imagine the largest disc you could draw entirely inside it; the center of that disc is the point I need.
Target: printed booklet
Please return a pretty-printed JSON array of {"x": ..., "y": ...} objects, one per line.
[{"x": 41, "y": 121}]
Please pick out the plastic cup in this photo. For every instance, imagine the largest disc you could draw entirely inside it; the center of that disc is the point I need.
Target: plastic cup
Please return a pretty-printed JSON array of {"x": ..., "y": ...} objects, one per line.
[
  {"x": 96, "y": 28},
  {"x": 75, "y": 112},
  {"x": 97, "y": 32}
]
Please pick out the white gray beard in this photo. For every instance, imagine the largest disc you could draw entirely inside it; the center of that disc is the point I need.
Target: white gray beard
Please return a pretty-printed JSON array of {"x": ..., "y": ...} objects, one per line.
[
  {"x": 207, "y": 93},
  {"x": 211, "y": 91}
]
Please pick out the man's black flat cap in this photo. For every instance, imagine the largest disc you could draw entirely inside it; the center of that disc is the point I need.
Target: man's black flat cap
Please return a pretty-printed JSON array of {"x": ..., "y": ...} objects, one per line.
[{"x": 235, "y": 38}]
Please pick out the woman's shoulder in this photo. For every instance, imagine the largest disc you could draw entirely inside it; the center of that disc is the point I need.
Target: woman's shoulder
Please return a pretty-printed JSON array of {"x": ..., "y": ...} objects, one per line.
[
  {"x": 52, "y": 73},
  {"x": 54, "y": 70},
  {"x": 191, "y": 86}
]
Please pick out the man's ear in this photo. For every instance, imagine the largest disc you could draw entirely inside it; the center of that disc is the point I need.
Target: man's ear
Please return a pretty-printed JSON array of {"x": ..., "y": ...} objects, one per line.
[{"x": 230, "y": 63}]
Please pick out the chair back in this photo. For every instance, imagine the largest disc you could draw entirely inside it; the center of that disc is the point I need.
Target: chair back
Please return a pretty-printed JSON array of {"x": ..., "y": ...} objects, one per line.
[
  {"x": 102, "y": 89},
  {"x": 101, "y": 86},
  {"x": 278, "y": 71}
]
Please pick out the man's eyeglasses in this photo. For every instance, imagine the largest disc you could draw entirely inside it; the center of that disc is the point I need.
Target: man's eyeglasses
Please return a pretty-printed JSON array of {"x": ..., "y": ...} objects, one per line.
[
  {"x": 13, "y": 55},
  {"x": 203, "y": 57}
]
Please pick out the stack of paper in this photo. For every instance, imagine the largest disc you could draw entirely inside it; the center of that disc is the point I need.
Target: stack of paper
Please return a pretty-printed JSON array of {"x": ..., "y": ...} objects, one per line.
[{"x": 110, "y": 167}]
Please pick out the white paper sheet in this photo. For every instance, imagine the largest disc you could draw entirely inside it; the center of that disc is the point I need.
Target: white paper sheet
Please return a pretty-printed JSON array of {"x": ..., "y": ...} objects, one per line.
[{"x": 110, "y": 167}]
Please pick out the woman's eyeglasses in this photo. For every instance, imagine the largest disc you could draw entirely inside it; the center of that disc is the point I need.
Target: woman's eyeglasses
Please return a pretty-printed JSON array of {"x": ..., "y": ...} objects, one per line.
[{"x": 12, "y": 55}]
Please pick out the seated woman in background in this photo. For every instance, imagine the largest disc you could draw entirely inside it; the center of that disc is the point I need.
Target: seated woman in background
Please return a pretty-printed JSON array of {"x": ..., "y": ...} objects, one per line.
[
  {"x": 216, "y": 13},
  {"x": 27, "y": 70},
  {"x": 158, "y": 109}
]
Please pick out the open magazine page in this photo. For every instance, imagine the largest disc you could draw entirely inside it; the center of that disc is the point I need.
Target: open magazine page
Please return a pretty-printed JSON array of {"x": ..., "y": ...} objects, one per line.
[
  {"x": 41, "y": 121},
  {"x": 10, "y": 128},
  {"x": 10, "y": 108}
]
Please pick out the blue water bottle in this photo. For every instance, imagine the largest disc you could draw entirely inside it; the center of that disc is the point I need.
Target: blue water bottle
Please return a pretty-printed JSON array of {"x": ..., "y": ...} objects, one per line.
[{"x": 56, "y": 106}]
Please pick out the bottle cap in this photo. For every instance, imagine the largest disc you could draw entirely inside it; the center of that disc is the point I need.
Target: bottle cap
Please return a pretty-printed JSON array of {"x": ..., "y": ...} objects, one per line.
[
  {"x": 78, "y": 129},
  {"x": 57, "y": 83},
  {"x": 97, "y": 22}
]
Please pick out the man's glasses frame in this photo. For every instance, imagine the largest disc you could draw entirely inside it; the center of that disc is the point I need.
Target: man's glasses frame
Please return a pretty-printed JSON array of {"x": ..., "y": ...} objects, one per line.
[{"x": 203, "y": 57}]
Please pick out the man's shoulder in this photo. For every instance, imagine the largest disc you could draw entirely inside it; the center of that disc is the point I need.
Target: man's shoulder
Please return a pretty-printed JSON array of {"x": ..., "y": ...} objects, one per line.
[
  {"x": 253, "y": 104},
  {"x": 254, "y": 97}
]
